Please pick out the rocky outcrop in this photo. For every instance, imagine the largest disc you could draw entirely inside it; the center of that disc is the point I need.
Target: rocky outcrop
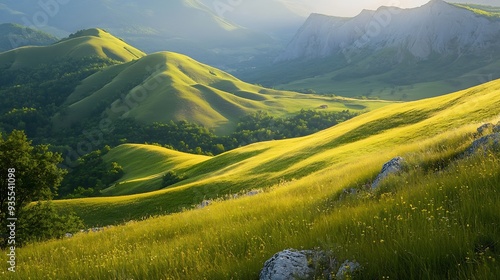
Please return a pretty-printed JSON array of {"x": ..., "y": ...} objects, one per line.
[
  {"x": 496, "y": 128},
  {"x": 485, "y": 144},
  {"x": 485, "y": 129},
  {"x": 394, "y": 166},
  {"x": 347, "y": 270},
  {"x": 287, "y": 264},
  {"x": 293, "y": 264},
  {"x": 307, "y": 264}
]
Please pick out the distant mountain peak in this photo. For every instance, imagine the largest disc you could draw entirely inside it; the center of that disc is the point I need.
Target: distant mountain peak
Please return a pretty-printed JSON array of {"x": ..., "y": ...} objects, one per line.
[
  {"x": 437, "y": 4},
  {"x": 434, "y": 28}
]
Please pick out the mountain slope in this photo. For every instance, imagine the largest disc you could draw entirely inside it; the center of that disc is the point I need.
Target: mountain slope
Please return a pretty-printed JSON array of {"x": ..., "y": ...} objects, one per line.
[
  {"x": 13, "y": 36},
  {"x": 88, "y": 43},
  {"x": 389, "y": 131},
  {"x": 435, "y": 28},
  {"x": 167, "y": 86},
  {"x": 393, "y": 53}
]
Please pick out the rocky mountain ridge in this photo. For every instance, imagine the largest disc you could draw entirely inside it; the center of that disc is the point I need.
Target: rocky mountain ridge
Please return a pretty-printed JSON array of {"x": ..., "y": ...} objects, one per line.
[{"x": 434, "y": 28}]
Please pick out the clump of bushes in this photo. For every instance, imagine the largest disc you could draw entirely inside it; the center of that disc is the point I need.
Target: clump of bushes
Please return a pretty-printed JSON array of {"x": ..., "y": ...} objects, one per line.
[{"x": 171, "y": 177}]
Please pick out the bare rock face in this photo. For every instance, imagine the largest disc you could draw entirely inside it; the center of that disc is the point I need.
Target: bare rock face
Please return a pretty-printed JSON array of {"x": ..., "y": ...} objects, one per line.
[
  {"x": 394, "y": 166},
  {"x": 293, "y": 264}
]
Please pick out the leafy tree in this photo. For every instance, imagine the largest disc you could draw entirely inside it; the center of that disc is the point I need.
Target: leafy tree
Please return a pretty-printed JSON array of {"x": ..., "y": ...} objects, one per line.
[
  {"x": 91, "y": 175},
  {"x": 36, "y": 170},
  {"x": 37, "y": 176},
  {"x": 42, "y": 221}
]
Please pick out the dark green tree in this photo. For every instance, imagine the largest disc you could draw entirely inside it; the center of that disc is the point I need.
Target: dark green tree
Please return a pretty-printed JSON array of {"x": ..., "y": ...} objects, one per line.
[
  {"x": 37, "y": 175},
  {"x": 28, "y": 173}
]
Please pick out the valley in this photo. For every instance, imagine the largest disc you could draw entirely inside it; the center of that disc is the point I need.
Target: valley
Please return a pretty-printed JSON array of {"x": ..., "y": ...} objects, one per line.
[
  {"x": 136, "y": 147},
  {"x": 390, "y": 53}
]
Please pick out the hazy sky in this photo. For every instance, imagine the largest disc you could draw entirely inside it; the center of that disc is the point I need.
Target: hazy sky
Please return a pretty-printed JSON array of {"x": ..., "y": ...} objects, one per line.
[{"x": 353, "y": 7}]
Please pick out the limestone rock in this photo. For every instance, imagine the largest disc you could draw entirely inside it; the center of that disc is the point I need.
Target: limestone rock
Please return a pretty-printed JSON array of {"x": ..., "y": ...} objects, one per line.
[
  {"x": 287, "y": 264},
  {"x": 293, "y": 264},
  {"x": 485, "y": 144},
  {"x": 394, "y": 166},
  {"x": 347, "y": 269}
]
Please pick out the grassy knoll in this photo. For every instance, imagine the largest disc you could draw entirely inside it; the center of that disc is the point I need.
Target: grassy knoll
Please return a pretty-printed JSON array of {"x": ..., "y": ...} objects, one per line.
[
  {"x": 91, "y": 42},
  {"x": 144, "y": 166}
]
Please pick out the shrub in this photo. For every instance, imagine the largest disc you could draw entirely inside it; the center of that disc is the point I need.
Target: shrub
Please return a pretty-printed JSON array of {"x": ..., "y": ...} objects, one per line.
[{"x": 171, "y": 177}]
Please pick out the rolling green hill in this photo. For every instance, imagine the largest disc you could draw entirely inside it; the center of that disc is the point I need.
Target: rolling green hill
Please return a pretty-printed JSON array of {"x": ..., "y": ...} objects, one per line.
[
  {"x": 169, "y": 86},
  {"x": 14, "y": 35},
  {"x": 87, "y": 43},
  {"x": 159, "y": 87},
  {"x": 394, "y": 129},
  {"x": 144, "y": 166},
  {"x": 438, "y": 219}
]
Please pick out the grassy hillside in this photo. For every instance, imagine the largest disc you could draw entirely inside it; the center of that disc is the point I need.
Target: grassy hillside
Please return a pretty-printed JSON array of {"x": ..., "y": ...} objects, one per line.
[
  {"x": 14, "y": 35},
  {"x": 91, "y": 42},
  {"x": 144, "y": 166},
  {"x": 437, "y": 220},
  {"x": 385, "y": 131},
  {"x": 483, "y": 10},
  {"x": 169, "y": 86}
]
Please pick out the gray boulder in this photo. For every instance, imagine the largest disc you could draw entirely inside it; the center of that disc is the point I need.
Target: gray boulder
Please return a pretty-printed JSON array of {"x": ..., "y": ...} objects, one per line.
[
  {"x": 347, "y": 270},
  {"x": 293, "y": 264},
  {"x": 394, "y": 166},
  {"x": 484, "y": 144}
]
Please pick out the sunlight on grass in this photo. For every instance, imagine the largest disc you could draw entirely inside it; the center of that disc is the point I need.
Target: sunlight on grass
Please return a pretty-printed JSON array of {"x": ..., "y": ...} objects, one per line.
[{"x": 437, "y": 219}]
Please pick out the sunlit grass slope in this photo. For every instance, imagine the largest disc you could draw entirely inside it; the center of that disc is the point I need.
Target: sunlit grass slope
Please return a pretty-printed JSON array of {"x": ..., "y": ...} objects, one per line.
[
  {"x": 374, "y": 136},
  {"x": 439, "y": 219},
  {"x": 144, "y": 166},
  {"x": 91, "y": 42},
  {"x": 483, "y": 10},
  {"x": 169, "y": 86}
]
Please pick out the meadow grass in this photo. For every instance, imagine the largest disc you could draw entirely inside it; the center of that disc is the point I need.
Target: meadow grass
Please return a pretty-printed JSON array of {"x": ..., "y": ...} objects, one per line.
[
  {"x": 426, "y": 223},
  {"x": 436, "y": 220}
]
